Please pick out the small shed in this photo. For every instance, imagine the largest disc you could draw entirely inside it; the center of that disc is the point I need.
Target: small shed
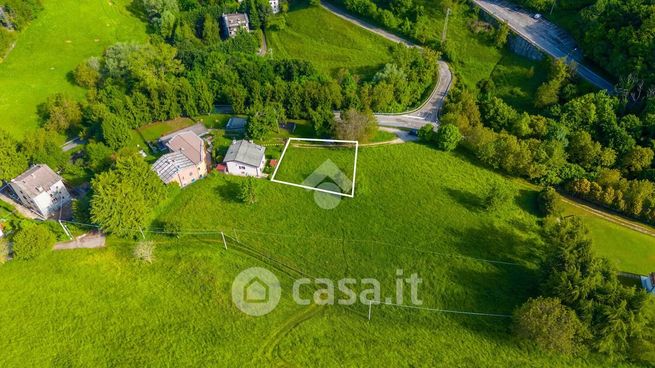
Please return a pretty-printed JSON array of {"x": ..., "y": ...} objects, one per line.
[{"x": 236, "y": 124}]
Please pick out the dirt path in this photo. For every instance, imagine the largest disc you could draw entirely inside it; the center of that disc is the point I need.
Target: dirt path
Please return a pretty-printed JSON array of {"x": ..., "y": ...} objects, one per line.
[
  {"x": 610, "y": 217},
  {"x": 271, "y": 351}
]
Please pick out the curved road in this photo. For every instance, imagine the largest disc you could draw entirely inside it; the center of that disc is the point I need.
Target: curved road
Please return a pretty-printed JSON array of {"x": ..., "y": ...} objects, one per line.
[{"x": 428, "y": 112}]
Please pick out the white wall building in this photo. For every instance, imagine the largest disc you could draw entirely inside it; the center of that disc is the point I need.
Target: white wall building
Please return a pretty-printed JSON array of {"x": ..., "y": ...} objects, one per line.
[
  {"x": 41, "y": 190},
  {"x": 275, "y": 5},
  {"x": 245, "y": 159}
]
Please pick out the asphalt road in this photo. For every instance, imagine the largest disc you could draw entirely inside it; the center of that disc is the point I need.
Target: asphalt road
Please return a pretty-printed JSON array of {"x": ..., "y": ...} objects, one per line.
[
  {"x": 545, "y": 35},
  {"x": 428, "y": 112}
]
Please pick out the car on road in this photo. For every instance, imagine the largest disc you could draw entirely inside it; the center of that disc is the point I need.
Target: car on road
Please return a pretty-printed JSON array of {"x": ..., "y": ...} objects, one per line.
[{"x": 537, "y": 16}]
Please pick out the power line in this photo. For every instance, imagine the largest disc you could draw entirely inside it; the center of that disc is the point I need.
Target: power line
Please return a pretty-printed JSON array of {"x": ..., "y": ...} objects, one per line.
[
  {"x": 218, "y": 232},
  {"x": 452, "y": 311}
]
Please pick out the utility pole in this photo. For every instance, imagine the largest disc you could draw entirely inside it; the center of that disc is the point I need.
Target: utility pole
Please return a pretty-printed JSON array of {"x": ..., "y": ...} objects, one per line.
[
  {"x": 552, "y": 7},
  {"x": 445, "y": 27}
]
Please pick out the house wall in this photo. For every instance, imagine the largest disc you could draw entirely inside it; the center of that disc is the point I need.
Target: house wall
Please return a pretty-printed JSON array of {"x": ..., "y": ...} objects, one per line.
[
  {"x": 237, "y": 168},
  {"x": 275, "y": 5},
  {"x": 47, "y": 202},
  {"x": 186, "y": 176}
]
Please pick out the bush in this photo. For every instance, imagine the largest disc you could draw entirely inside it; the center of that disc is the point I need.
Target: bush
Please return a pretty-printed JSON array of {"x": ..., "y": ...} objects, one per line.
[
  {"x": 32, "y": 241},
  {"x": 548, "y": 324},
  {"x": 426, "y": 133},
  {"x": 172, "y": 228},
  {"x": 448, "y": 137},
  {"x": 497, "y": 196},
  {"x": 145, "y": 251},
  {"x": 248, "y": 190},
  {"x": 548, "y": 202}
]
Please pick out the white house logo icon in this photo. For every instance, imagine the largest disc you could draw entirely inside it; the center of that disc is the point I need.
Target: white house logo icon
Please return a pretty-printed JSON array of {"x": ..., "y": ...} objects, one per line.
[
  {"x": 328, "y": 194},
  {"x": 256, "y": 291}
]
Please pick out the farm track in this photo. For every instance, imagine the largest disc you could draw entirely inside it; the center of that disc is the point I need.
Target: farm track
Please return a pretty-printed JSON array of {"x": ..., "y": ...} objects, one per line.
[{"x": 271, "y": 349}]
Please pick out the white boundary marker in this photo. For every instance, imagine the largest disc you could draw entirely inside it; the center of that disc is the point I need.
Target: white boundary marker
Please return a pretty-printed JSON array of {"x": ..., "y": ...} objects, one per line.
[{"x": 352, "y": 192}]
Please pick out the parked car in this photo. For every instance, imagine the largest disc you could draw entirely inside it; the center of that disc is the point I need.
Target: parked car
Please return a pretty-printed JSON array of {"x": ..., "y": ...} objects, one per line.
[{"x": 537, "y": 16}]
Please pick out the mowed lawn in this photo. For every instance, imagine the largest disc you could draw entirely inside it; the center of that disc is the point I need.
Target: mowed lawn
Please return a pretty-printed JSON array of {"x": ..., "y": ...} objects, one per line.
[
  {"x": 329, "y": 42},
  {"x": 629, "y": 250},
  {"x": 65, "y": 33},
  {"x": 415, "y": 209}
]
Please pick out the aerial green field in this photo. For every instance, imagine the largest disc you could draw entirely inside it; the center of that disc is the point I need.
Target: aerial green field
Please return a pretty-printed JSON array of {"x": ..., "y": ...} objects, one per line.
[
  {"x": 476, "y": 58},
  {"x": 630, "y": 250},
  {"x": 329, "y": 42},
  {"x": 517, "y": 79},
  {"x": 297, "y": 165},
  {"x": 102, "y": 307},
  {"x": 65, "y": 33}
]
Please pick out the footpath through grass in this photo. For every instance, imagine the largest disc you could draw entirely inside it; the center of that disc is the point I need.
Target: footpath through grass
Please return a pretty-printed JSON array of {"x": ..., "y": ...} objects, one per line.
[
  {"x": 329, "y": 42},
  {"x": 65, "y": 33}
]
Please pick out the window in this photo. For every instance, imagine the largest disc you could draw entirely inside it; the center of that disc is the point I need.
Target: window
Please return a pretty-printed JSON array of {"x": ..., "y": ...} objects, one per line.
[{"x": 242, "y": 167}]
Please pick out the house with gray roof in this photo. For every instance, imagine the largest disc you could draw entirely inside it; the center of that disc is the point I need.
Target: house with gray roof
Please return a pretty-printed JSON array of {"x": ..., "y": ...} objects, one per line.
[
  {"x": 233, "y": 23},
  {"x": 41, "y": 190},
  {"x": 186, "y": 162},
  {"x": 245, "y": 158}
]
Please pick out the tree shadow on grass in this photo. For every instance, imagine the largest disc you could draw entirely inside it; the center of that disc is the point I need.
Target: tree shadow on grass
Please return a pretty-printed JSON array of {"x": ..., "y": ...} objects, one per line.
[
  {"x": 505, "y": 243},
  {"x": 469, "y": 200},
  {"x": 527, "y": 201},
  {"x": 229, "y": 191}
]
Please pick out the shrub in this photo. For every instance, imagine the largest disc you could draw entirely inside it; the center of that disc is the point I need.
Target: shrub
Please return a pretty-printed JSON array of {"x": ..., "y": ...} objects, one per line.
[
  {"x": 448, "y": 137},
  {"x": 32, "y": 241},
  {"x": 248, "y": 190},
  {"x": 548, "y": 202},
  {"x": 145, "y": 251},
  {"x": 497, "y": 196},
  {"x": 172, "y": 228},
  {"x": 549, "y": 325},
  {"x": 426, "y": 133}
]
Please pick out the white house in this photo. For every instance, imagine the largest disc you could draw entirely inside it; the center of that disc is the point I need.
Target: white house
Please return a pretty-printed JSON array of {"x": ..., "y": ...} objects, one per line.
[
  {"x": 186, "y": 162},
  {"x": 245, "y": 158},
  {"x": 275, "y": 5},
  {"x": 41, "y": 190}
]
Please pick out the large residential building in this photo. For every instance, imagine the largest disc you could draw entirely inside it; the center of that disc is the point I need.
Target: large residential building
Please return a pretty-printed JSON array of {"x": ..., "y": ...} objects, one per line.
[
  {"x": 245, "y": 158},
  {"x": 186, "y": 162},
  {"x": 233, "y": 22},
  {"x": 41, "y": 190}
]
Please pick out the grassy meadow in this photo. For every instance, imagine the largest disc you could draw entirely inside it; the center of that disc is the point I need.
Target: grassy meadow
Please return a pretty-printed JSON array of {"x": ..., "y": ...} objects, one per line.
[
  {"x": 630, "y": 250},
  {"x": 64, "y": 33},
  {"x": 329, "y": 42},
  {"x": 102, "y": 307}
]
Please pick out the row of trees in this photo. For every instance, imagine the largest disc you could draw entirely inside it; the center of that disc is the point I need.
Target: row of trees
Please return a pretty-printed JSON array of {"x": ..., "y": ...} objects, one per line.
[
  {"x": 584, "y": 306},
  {"x": 575, "y": 143}
]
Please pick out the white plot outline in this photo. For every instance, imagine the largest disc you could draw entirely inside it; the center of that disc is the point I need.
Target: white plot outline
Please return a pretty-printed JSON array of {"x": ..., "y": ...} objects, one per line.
[{"x": 352, "y": 191}]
